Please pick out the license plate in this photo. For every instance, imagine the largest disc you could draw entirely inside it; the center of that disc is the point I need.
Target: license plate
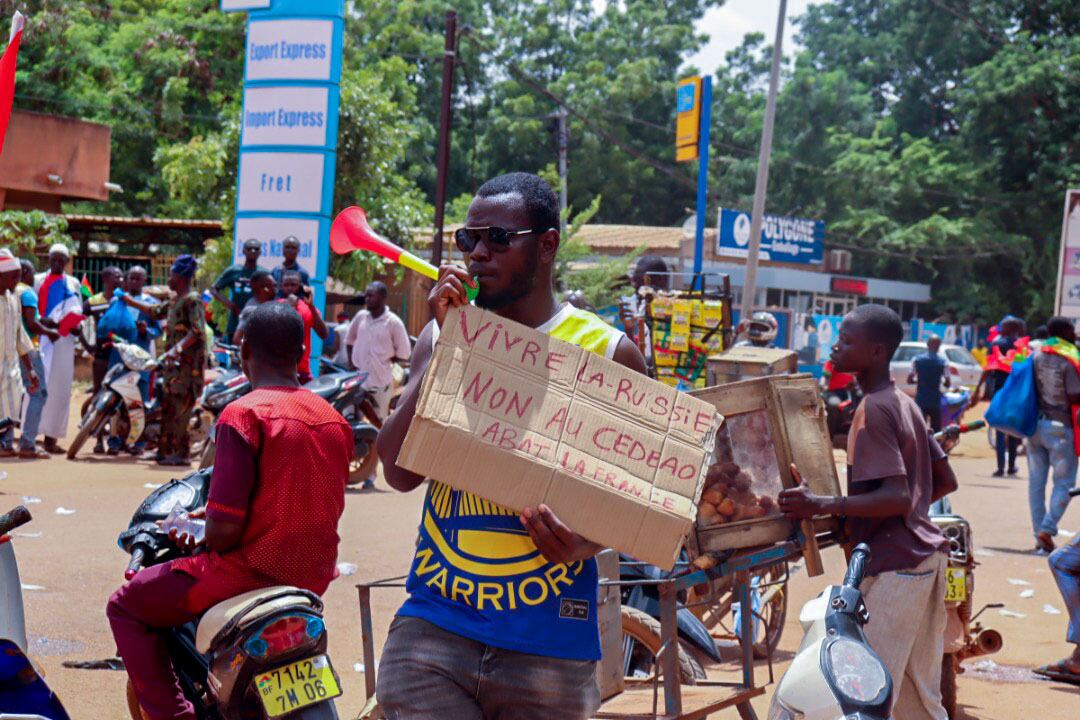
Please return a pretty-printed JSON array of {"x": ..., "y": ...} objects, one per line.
[
  {"x": 955, "y": 584},
  {"x": 295, "y": 686}
]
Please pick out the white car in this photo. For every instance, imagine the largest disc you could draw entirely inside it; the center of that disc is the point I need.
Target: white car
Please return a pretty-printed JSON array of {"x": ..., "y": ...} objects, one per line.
[{"x": 964, "y": 370}]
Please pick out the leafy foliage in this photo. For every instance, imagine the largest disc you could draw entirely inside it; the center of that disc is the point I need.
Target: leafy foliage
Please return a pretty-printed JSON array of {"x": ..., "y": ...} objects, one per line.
[
  {"x": 931, "y": 160},
  {"x": 934, "y": 137},
  {"x": 23, "y": 231}
]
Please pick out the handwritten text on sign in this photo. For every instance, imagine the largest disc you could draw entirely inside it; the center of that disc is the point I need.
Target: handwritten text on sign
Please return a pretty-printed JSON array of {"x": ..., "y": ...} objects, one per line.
[{"x": 583, "y": 414}]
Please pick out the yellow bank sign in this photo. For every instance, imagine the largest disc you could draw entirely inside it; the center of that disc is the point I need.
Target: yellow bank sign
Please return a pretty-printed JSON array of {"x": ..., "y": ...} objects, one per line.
[{"x": 687, "y": 119}]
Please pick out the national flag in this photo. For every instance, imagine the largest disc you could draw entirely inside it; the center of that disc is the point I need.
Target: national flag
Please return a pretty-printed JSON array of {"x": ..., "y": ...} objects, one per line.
[
  {"x": 60, "y": 301},
  {"x": 8, "y": 62},
  {"x": 85, "y": 288}
]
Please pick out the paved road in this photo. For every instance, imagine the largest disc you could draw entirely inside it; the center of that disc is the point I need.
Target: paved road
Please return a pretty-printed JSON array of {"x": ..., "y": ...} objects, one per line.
[{"x": 77, "y": 564}]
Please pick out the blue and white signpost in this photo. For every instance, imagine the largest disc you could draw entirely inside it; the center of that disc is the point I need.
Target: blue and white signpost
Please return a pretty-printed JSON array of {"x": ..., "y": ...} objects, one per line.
[
  {"x": 783, "y": 239},
  {"x": 288, "y": 139}
]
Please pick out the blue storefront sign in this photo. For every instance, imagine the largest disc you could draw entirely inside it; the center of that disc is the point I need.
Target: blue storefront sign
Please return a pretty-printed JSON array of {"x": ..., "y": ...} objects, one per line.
[
  {"x": 783, "y": 239},
  {"x": 289, "y": 127}
]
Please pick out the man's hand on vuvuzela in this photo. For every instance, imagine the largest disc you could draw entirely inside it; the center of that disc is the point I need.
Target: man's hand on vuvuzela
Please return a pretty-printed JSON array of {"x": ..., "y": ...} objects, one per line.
[
  {"x": 556, "y": 542},
  {"x": 449, "y": 291}
]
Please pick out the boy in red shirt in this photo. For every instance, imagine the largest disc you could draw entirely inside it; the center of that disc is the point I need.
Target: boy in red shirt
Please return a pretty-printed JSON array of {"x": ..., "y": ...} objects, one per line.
[{"x": 279, "y": 484}]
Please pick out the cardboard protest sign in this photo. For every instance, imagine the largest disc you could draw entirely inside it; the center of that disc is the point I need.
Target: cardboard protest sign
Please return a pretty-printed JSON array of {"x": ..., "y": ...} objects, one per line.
[{"x": 520, "y": 418}]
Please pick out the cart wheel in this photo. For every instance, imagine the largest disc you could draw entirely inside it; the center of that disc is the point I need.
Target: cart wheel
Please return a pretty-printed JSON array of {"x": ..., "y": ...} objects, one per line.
[
  {"x": 773, "y": 614},
  {"x": 360, "y": 469},
  {"x": 642, "y": 640}
]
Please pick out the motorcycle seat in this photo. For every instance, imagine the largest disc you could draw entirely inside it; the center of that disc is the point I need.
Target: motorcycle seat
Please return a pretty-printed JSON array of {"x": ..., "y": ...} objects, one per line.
[
  {"x": 326, "y": 386},
  {"x": 245, "y": 609}
]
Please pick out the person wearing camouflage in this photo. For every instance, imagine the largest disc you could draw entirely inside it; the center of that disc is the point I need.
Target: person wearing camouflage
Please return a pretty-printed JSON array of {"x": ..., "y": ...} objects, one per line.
[{"x": 182, "y": 364}]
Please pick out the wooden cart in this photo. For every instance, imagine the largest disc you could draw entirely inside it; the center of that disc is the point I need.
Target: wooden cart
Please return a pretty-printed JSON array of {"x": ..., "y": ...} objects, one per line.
[{"x": 662, "y": 697}]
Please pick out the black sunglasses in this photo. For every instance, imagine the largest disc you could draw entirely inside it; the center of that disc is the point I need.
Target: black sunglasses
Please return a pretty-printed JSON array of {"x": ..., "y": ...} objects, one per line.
[{"x": 497, "y": 239}]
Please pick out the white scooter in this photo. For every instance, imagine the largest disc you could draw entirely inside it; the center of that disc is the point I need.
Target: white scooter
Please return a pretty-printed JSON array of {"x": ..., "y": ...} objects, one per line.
[
  {"x": 23, "y": 692},
  {"x": 120, "y": 400},
  {"x": 836, "y": 675}
]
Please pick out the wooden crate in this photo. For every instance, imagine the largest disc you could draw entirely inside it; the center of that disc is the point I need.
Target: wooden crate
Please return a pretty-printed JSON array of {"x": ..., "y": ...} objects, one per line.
[
  {"x": 793, "y": 415},
  {"x": 743, "y": 363}
]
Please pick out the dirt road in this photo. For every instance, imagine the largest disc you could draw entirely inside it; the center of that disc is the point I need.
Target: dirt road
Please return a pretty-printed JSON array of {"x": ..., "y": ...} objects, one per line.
[{"x": 72, "y": 564}]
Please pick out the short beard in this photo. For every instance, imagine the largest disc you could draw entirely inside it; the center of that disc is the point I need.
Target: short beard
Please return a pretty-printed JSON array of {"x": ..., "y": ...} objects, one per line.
[
  {"x": 518, "y": 289},
  {"x": 520, "y": 286}
]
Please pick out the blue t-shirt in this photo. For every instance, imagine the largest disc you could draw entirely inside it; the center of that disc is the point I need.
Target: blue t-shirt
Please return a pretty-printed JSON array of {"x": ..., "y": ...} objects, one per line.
[
  {"x": 928, "y": 367},
  {"x": 29, "y": 298},
  {"x": 477, "y": 572}
]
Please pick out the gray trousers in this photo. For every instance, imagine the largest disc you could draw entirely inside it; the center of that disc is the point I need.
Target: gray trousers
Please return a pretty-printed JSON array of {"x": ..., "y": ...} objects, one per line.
[{"x": 427, "y": 673}]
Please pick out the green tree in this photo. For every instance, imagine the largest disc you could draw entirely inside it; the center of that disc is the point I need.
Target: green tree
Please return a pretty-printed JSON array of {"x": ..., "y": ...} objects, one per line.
[{"x": 23, "y": 232}]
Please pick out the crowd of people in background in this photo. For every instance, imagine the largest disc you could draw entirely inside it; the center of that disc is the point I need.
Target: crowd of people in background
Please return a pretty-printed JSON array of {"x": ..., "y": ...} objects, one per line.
[
  {"x": 1051, "y": 451},
  {"x": 48, "y": 316},
  {"x": 43, "y": 316}
]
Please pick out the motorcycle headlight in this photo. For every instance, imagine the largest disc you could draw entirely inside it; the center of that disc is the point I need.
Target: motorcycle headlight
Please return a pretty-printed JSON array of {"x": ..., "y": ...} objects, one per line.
[{"x": 856, "y": 673}]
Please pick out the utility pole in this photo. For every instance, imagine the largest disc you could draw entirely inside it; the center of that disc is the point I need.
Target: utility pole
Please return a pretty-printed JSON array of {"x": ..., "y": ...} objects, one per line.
[
  {"x": 445, "y": 123},
  {"x": 563, "y": 140},
  {"x": 703, "y": 180},
  {"x": 762, "y": 184}
]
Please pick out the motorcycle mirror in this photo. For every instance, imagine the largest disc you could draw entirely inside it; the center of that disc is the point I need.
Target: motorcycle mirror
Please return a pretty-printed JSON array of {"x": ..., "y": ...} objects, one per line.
[{"x": 988, "y": 606}]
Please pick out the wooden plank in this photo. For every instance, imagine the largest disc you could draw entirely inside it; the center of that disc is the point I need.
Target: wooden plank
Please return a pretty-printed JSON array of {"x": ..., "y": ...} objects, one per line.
[
  {"x": 801, "y": 418},
  {"x": 806, "y": 438},
  {"x": 736, "y": 398},
  {"x": 743, "y": 534},
  {"x": 608, "y": 612}
]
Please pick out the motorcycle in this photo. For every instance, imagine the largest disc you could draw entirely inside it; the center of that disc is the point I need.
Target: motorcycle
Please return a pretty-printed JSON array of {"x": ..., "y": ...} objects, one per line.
[
  {"x": 119, "y": 406},
  {"x": 227, "y": 384},
  {"x": 953, "y": 405},
  {"x": 23, "y": 691},
  {"x": 964, "y": 636},
  {"x": 699, "y": 612},
  {"x": 836, "y": 674},
  {"x": 258, "y": 655},
  {"x": 342, "y": 388}
]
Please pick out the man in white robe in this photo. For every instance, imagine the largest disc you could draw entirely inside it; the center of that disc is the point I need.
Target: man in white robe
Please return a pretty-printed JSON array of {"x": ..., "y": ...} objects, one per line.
[
  {"x": 60, "y": 303},
  {"x": 15, "y": 349}
]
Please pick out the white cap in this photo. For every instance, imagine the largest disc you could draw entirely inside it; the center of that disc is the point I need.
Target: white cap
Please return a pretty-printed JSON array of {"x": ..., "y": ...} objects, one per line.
[
  {"x": 60, "y": 248},
  {"x": 8, "y": 262}
]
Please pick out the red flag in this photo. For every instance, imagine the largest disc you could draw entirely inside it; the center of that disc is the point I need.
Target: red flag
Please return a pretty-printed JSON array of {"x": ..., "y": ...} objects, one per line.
[{"x": 8, "y": 62}]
